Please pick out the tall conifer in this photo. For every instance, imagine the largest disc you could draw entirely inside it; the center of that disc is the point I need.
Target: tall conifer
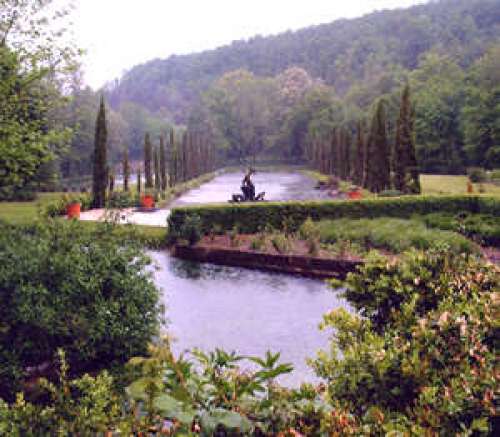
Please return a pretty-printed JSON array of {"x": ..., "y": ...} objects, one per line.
[
  {"x": 126, "y": 170},
  {"x": 359, "y": 156},
  {"x": 148, "y": 156},
  {"x": 139, "y": 181},
  {"x": 157, "y": 168},
  {"x": 406, "y": 175},
  {"x": 100, "y": 174},
  {"x": 378, "y": 176},
  {"x": 163, "y": 164}
]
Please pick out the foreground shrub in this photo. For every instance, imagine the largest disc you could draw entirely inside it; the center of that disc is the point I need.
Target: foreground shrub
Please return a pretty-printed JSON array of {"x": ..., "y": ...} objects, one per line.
[
  {"x": 421, "y": 360},
  {"x": 66, "y": 286}
]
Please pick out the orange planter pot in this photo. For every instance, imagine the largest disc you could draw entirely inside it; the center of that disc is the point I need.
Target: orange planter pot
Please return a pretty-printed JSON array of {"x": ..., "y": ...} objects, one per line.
[
  {"x": 355, "y": 195},
  {"x": 147, "y": 201},
  {"x": 73, "y": 210}
]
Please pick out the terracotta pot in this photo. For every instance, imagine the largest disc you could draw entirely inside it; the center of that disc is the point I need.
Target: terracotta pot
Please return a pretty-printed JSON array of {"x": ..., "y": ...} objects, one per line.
[
  {"x": 147, "y": 201},
  {"x": 355, "y": 195},
  {"x": 73, "y": 210}
]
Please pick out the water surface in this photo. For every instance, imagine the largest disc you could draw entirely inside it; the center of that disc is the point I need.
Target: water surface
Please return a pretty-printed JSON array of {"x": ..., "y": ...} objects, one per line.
[{"x": 245, "y": 310}]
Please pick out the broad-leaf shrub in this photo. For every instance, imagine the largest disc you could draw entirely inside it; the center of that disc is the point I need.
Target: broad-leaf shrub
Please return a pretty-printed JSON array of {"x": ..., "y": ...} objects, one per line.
[
  {"x": 65, "y": 286},
  {"x": 420, "y": 357}
]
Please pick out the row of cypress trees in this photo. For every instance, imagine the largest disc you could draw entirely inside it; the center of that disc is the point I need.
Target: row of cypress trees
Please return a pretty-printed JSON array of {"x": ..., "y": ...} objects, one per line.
[
  {"x": 171, "y": 163},
  {"x": 366, "y": 158}
]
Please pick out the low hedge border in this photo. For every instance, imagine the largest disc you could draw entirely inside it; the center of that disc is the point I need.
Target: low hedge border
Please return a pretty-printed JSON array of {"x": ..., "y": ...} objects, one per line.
[{"x": 253, "y": 217}]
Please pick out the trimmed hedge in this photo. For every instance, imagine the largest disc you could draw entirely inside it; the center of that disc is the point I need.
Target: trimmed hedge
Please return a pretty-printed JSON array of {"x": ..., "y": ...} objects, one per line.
[{"x": 253, "y": 217}]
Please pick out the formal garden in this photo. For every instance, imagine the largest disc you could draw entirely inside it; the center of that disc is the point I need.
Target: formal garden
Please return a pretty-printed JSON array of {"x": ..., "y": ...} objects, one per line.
[{"x": 294, "y": 235}]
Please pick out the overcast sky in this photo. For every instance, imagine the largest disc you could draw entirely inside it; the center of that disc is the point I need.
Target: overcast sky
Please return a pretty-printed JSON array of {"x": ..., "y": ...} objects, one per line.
[{"x": 119, "y": 34}]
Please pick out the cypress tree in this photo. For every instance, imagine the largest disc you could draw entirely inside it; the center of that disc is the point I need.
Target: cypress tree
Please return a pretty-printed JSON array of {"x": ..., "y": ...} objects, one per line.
[
  {"x": 172, "y": 159},
  {"x": 139, "y": 180},
  {"x": 359, "y": 159},
  {"x": 406, "y": 175},
  {"x": 148, "y": 156},
  {"x": 111, "y": 180},
  {"x": 100, "y": 174},
  {"x": 378, "y": 177},
  {"x": 126, "y": 170},
  {"x": 345, "y": 150},
  {"x": 157, "y": 169},
  {"x": 163, "y": 164}
]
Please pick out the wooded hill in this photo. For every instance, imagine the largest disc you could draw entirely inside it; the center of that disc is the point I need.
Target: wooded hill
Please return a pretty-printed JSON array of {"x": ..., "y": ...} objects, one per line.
[{"x": 367, "y": 52}]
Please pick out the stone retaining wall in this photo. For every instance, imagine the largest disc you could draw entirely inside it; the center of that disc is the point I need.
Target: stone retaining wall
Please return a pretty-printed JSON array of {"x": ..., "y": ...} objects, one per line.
[{"x": 321, "y": 268}]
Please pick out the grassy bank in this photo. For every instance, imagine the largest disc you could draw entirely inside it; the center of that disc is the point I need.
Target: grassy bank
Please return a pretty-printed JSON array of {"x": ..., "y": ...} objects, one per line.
[{"x": 451, "y": 184}]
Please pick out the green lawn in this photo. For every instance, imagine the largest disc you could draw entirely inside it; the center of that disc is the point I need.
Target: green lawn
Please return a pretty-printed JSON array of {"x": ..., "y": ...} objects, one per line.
[
  {"x": 448, "y": 184},
  {"x": 25, "y": 212}
]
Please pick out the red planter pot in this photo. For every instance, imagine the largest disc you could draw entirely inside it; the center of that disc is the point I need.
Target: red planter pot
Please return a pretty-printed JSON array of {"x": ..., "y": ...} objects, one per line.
[
  {"x": 73, "y": 210},
  {"x": 147, "y": 201},
  {"x": 355, "y": 195}
]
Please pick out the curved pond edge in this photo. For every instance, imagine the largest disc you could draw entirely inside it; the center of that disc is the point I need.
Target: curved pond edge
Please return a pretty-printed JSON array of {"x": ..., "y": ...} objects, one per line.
[{"x": 311, "y": 267}]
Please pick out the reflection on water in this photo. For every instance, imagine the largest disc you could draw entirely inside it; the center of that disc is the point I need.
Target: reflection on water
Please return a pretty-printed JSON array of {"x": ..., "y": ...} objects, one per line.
[
  {"x": 244, "y": 310},
  {"x": 277, "y": 185}
]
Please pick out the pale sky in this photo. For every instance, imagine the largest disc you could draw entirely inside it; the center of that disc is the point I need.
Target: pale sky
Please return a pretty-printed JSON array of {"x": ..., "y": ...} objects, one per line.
[{"x": 119, "y": 34}]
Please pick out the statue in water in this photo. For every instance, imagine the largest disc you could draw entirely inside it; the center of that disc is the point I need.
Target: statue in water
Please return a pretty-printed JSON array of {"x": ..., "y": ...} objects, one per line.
[
  {"x": 248, "y": 190},
  {"x": 247, "y": 186}
]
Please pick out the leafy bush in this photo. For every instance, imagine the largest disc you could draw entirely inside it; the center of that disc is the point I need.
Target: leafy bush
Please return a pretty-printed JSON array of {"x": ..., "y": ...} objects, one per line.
[
  {"x": 309, "y": 230},
  {"x": 391, "y": 234},
  {"x": 281, "y": 243},
  {"x": 420, "y": 357},
  {"x": 259, "y": 242},
  {"x": 253, "y": 217},
  {"x": 67, "y": 286},
  {"x": 58, "y": 207},
  {"x": 479, "y": 227},
  {"x": 191, "y": 230},
  {"x": 477, "y": 174},
  {"x": 122, "y": 199},
  {"x": 25, "y": 194}
]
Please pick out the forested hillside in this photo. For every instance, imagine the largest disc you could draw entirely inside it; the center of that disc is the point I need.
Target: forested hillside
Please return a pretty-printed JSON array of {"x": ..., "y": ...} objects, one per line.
[{"x": 364, "y": 54}]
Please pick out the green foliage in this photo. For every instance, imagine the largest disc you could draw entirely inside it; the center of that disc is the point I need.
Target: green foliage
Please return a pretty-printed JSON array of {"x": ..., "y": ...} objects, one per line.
[
  {"x": 84, "y": 406},
  {"x": 254, "y": 217},
  {"x": 189, "y": 231},
  {"x": 391, "y": 234},
  {"x": 477, "y": 174},
  {"x": 309, "y": 230},
  {"x": 33, "y": 52},
  {"x": 122, "y": 199},
  {"x": 57, "y": 207},
  {"x": 420, "y": 358},
  {"x": 390, "y": 193},
  {"x": 100, "y": 166},
  {"x": 377, "y": 159},
  {"x": 69, "y": 286},
  {"x": 406, "y": 175},
  {"x": 281, "y": 243},
  {"x": 259, "y": 242},
  {"x": 148, "y": 157},
  {"x": 482, "y": 228}
]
